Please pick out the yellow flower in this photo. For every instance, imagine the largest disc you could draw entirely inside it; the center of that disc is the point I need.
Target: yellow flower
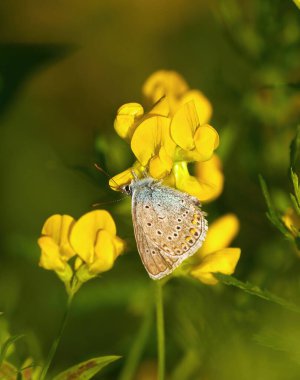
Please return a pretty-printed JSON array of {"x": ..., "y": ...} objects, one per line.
[
  {"x": 172, "y": 133},
  {"x": 215, "y": 256},
  {"x": 153, "y": 146},
  {"x": 94, "y": 239},
  {"x": 54, "y": 243},
  {"x": 292, "y": 221},
  {"x": 174, "y": 87},
  {"x": 210, "y": 177},
  {"x": 126, "y": 118},
  {"x": 165, "y": 83},
  {"x": 206, "y": 185},
  {"x": 197, "y": 141}
]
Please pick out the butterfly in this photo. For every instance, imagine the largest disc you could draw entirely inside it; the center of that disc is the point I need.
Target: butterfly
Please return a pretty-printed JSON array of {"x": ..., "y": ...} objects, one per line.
[{"x": 169, "y": 225}]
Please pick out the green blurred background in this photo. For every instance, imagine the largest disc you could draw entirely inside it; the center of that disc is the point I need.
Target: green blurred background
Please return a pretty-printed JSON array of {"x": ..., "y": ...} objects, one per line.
[{"x": 65, "y": 68}]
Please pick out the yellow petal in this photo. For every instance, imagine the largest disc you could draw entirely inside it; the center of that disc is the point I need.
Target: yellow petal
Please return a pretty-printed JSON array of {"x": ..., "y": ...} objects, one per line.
[
  {"x": 58, "y": 227},
  {"x": 126, "y": 117},
  {"x": 161, "y": 107},
  {"x": 85, "y": 230},
  {"x": 104, "y": 253},
  {"x": 50, "y": 258},
  {"x": 223, "y": 261},
  {"x": 119, "y": 245},
  {"x": 162, "y": 83},
  {"x": 126, "y": 176},
  {"x": 161, "y": 165},
  {"x": 185, "y": 182},
  {"x": 148, "y": 138},
  {"x": 190, "y": 185},
  {"x": 206, "y": 141},
  {"x": 159, "y": 168},
  {"x": 202, "y": 105},
  {"x": 220, "y": 234},
  {"x": 187, "y": 155},
  {"x": 183, "y": 126},
  {"x": 210, "y": 176},
  {"x": 121, "y": 179},
  {"x": 170, "y": 180}
]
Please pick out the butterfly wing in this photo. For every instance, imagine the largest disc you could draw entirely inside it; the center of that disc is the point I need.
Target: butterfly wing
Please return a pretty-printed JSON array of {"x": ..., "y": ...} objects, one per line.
[{"x": 169, "y": 227}]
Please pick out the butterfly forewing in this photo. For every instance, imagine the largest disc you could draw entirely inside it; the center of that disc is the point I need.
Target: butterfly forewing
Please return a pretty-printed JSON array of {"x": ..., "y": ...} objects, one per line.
[{"x": 168, "y": 224}]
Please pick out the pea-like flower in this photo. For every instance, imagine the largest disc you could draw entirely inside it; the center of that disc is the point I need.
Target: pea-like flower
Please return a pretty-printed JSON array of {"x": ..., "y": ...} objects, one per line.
[
  {"x": 91, "y": 241},
  {"x": 173, "y": 133},
  {"x": 94, "y": 239},
  {"x": 172, "y": 85},
  {"x": 206, "y": 184},
  {"x": 215, "y": 255},
  {"x": 55, "y": 245}
]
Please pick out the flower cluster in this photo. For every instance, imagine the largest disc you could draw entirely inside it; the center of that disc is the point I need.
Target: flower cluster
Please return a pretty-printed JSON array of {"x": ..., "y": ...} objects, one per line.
[
  {"x": 174, "y": 133},
  {"x": 79, "y": 250}
]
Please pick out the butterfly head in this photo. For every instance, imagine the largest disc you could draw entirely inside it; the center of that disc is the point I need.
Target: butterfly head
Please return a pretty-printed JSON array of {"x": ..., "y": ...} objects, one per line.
[
  {"x": 138, "y": 184},
  {"x": 127, "y": 189}
]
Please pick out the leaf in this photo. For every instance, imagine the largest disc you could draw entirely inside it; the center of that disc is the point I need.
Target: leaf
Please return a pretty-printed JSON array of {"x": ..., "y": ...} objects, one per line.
[
  {"x": 296, "y": 196},
  {"x": 86, "y": 370},
  {"x": 256, "y": 291},
  {"x": 18, "y": 61},
  {"x": 295, "y": 147},
  {"x": 8, "y": 371},
  {"x": 273, "y": 215},
  {"x": 6, "y": 346}
]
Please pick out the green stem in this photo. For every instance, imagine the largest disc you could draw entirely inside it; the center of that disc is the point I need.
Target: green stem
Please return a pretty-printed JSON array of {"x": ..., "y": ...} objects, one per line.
[
  {"x": 57, "y": 340},
  {"x": 160, "y": 331},
  {"x": 137, "y": 347}
]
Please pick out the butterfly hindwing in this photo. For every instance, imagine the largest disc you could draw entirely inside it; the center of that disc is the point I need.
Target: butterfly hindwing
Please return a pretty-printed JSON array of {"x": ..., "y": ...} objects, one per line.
[{"x": 169, "y": 227}]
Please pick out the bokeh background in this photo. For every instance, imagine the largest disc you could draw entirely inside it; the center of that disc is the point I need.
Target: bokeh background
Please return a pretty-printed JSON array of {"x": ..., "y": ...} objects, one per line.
[{"x": 65, "y": 68}]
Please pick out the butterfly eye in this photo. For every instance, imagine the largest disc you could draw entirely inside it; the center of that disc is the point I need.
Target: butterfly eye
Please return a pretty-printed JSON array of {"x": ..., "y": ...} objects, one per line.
[{"x": 127, "y": 189}]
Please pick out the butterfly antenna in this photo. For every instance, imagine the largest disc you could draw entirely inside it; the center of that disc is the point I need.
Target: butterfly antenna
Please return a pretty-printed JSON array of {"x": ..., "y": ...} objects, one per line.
[
  {"x": 108, "y": 202},
  {"x": 98, "y": 167}
]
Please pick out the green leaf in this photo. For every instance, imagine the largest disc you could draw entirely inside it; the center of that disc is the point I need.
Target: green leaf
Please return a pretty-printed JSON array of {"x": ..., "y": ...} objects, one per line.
[
  {"x": 272, "y": 214},
  {"x": 8, "y": 371},
  {"x": 256, "y": 291},
  {"x": 296, "y": 196},
  {"x": 10, "y": 341},
  {"x": 295, "y": 148},
  {"x": 86, "y": 370}
]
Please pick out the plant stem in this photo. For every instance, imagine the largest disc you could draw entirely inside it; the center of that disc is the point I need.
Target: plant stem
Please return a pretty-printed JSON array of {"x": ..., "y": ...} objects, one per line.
[
  {"x": 160, "y": 330},
  {"x": 57, "y": 340},
  {"x": 137, "y": 347}
]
